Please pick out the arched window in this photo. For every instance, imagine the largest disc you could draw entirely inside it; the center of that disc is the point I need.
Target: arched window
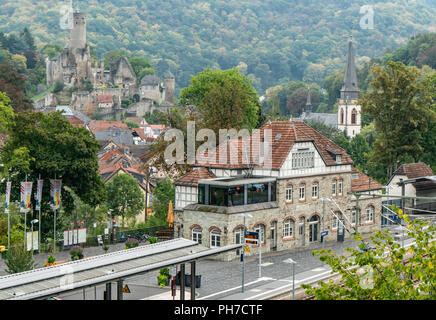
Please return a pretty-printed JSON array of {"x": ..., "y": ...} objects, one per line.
[
  {"x": 196, "y": 234},
  {"x": 215, "y": 238},
  {"x": 289, "y": 193},
  {"x": 315, "y": 186},
  {"x": 239, "y": 236},
  {"x": 370, "y": 214},
  {"x": 302, "y": 191},
  {"x": 335, "y": 221},
  {"x": 353, "y": 116},
  {"x": 261, "y": 229},
  {"x": 342, "y": 116},
  {"x": 288, "y": 228}
]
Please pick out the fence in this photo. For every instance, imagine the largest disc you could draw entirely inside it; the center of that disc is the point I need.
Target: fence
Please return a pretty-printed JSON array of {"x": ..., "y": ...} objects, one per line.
[{"x": 116, "y": 235}]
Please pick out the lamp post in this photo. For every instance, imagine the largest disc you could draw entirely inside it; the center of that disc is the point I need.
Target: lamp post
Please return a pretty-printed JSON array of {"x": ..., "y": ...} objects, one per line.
[
  {"x": 323, "y": 214},
  {"x": 244, "y": 215},
  {"x": 32, "y": 223},
  {"x": 289, "y": 260}
]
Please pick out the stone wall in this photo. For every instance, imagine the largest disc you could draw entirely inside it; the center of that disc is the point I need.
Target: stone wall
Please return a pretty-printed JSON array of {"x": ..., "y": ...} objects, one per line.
[{"x": 276, "y": 217}]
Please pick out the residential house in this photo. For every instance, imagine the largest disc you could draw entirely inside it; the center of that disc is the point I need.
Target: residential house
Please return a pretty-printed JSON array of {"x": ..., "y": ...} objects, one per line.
[{"x": 105, "y": 101}]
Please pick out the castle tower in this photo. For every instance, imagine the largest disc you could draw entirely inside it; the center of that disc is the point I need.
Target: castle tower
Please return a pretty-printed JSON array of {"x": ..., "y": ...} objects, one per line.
[
  {"x": 349, "y": 112},
  {"x": 170, "y": 86},
  {"x": 77, "y": 38}
]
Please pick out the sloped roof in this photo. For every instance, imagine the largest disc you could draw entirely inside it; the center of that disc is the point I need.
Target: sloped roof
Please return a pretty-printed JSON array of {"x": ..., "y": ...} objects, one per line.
[
  {"x": 191, "y": 179},
  {"x": 349, "y": 87},
  {"x": 362, "y": 182},
  {"x": 76, "y": 122},
  {"x": 416, "y": 170},
  {"x": 101, "y": 125},
  {"x": 136, "y": 120},
  {"x": 150, "y": 80},
  {"x": 284, "y": 135},
  {"x": 105, "y": 98}
]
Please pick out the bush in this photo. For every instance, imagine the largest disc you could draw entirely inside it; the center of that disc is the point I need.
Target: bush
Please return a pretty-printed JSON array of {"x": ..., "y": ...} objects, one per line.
[
  {"x": 76, "y": 253},
  {"x": 162, "y": 278},
  {"x": 19, "y": 260},
  {"x": 131, "y": 243},
  {"x": 105, "y": 248},
  {"x": 152, "y": 240},
  {"x": 51, "y": 259}
]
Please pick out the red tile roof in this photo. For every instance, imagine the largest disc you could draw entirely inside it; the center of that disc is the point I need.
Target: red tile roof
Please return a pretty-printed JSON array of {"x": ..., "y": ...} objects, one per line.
[
  {"x": 416, "y": 170},
  {"x": 191, "y": 179},
  {"x": 105, "y": 98},
  {"x": 362, "y": 182},
  {"x": 284, "y": 135},
  {"x": 76, "y": 122},
  {"x": 101, "y": 125}
]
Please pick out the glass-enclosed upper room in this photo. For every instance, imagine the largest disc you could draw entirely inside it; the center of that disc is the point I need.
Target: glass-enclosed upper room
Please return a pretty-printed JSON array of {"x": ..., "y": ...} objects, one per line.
[{"x": 230, "y": 192}]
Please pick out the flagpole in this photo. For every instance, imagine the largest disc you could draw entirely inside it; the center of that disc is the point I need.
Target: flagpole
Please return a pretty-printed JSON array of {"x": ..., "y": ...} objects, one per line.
[
  {"x": 39, "y": 218},
  {"x": 54, "y": 222},
  {"x": 9, "y": 221},
  {"x": 25, "y": 227}
]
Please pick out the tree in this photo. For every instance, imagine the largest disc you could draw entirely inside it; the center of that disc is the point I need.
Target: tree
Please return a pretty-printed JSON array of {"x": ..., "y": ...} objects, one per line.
[
  {"x": 380, "y": 273},
  {"x": 359, "y": 151},
  {"x": 6, "y": 112},
  {"x": 400, "y": 105},
  {"x": 125, "y": 197},
  {"x": 14, "y": 85},
  {"x": 54, "y": 147},
  {"x": 162, "y": 195},
  {"x": 19, "y": 260},
  {"x": 141, "y": 66},
  {"x": 224, "y": 99}
]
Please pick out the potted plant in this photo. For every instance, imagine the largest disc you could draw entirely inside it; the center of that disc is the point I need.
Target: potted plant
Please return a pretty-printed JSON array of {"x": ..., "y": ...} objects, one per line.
[
  {"x": 163, "y": 279},
  {"x": 105, "y": 248},
  {"x": 50, "y": 261},
  {"x": 131, "y": 243},
  {"x": 76, "y": 253}
]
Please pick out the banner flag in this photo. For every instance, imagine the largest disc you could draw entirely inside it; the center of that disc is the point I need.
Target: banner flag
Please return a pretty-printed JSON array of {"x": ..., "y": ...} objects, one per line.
[
  {"x": 55, "y": 193},
  {"x": 8, "y": 196},
  {"x": 38, "y": 194},
  {"x": 26, "y": 193}
]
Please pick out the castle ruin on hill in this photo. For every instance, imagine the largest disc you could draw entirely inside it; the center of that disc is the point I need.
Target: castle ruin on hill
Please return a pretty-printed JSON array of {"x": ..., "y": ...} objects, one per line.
[{"x": 96, "y": 90}]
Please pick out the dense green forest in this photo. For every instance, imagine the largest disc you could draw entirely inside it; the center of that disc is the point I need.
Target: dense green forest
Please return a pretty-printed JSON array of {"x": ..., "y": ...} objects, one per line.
[{"x": 272, "y": 41}]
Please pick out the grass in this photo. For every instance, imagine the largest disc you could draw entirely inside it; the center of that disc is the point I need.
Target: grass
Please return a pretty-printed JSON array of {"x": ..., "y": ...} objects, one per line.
[{"x": 42, "y": 94}]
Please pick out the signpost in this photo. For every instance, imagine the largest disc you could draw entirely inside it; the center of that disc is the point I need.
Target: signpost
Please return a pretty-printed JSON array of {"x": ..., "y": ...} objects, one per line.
[{"x": 324, "y": 233}]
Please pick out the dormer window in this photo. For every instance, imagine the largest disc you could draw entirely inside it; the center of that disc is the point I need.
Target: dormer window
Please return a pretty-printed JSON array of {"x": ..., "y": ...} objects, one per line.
[
  {"x": 354, "y": 176},
  {"x": 338, "y": 158}
]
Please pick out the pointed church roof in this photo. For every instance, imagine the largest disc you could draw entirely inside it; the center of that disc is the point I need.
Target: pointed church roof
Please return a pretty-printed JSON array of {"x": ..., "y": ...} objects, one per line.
[
  {"x": 350, "y": 89},
  {"x": 308, "y": 107}
]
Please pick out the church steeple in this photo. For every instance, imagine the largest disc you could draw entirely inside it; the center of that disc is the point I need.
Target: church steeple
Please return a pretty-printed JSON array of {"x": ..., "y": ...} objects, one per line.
[{"x": 350, "y": 90}]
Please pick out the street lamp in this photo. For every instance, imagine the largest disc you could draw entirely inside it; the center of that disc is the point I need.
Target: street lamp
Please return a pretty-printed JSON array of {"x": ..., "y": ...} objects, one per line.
[
  {"x": 32, "y": 223},
  {"x": 244, "y": 215},
  {"x": 289, "y": 260},
  {"x": 323, "y": 213}
]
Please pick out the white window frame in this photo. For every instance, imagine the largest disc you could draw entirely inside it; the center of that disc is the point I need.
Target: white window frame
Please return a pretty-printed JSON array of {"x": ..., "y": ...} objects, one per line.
[
  {"x": 302, "y": 192},
  {"x": 215, "y": 238},
  {"x": 303, "y": 159},
  {"x": 195, "y": 233},
  {"x": 370, "y": 213},
  {"x": 334, "y": 189},
  {"x": 288, "y": 228},
  {"x": 288, "y": 193},
  {"x": 315, "y": 189},
  {"x": 240, "y": 232},
  {"x": 261, "y": 229},
  {"x": 340, "y": 187}
]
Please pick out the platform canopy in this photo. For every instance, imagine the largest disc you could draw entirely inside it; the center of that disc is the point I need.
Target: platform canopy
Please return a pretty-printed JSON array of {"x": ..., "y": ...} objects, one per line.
[{"x": 88, "y": 272}]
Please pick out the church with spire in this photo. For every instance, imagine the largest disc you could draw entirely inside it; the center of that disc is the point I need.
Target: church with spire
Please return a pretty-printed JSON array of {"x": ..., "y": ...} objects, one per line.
[
  {"x": 349, "y": 112},
  {"x": 348, "y": 118}
]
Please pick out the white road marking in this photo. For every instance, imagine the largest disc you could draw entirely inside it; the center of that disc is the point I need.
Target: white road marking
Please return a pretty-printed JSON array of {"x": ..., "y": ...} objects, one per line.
[
  {"x": 288, "y": 285},
  {"x": 234, "y": 288},
  {"x": 266, "y": 264},
  {"x": 318, "y": 269}
]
